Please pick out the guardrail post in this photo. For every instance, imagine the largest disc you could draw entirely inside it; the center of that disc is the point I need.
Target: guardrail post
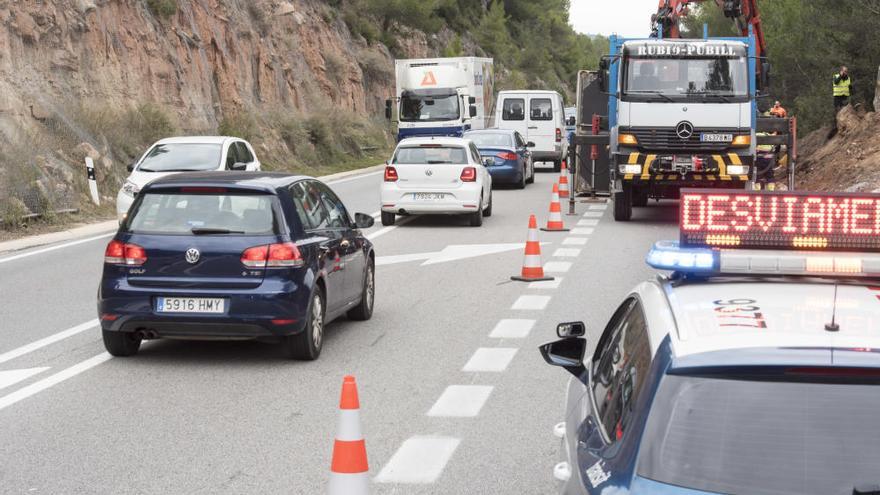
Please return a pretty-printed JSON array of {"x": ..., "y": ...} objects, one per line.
[{"x": 93, "y": 182}]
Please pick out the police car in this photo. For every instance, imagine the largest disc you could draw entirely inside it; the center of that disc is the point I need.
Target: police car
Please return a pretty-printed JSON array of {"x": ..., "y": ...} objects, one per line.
[{"x": 753, "y": 368}]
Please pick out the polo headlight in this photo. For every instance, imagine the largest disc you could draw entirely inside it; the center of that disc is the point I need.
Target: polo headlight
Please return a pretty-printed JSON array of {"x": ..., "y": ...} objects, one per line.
[{"x": 130, "y": 188}]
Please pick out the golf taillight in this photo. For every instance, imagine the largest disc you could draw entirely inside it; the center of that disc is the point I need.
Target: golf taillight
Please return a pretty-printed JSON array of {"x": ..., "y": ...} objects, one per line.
[
  {"x": 506, "y": 155},
  {"x": 281, "y": 255},
  {"x": 558, "y": 135},
  {"x": 469, "y": 174},
  {"x": 120, "y": 253},
  {"x": 390, "y": 174}
]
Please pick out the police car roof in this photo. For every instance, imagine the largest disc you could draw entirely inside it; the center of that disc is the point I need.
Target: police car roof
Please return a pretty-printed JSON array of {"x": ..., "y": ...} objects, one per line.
[{"x": 741, "y": 314}]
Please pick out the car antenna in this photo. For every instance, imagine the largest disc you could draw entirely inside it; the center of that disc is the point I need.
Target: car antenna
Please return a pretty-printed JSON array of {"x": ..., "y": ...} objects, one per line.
[{"x": 833, "y": 326}]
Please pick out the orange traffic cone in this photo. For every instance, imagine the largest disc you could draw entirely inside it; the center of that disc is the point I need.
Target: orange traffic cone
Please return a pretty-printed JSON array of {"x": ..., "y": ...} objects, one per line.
[
  {"x": 563, "y": 181},
  {"x": 348, "y": 471},
  {"x": 554, "y": 222},
  {"x": 533, "y": 269}
]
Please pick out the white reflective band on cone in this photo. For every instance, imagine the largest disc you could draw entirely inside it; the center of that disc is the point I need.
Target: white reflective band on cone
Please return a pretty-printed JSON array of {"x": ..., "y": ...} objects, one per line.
[
  {"x": 532, "y": 260},
  {"x": 349, "y": 484},
  {"x": 349, "y": 426}
]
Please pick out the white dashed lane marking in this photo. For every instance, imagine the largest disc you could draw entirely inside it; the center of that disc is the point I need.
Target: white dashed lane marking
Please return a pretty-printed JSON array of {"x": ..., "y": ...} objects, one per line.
[
  {"x": 593, "y": 214},
  {"x": 490, "y": 359},
  {"x": 574, "y": 241},
  {"x": 557, "y": 266},
  {"x": 582, "y": 231},
  {"x": 513, "y": 328},
  {"x": 461, "y": 401},
  {"x": 588, "y": 222},
  {"x": 531, "y": 303},
  {"x": 546, "y": 284},
  {"x": 567, "y": 253},
  {"x": 419, "y": 459},
  {"x": 598, "y": 207}
]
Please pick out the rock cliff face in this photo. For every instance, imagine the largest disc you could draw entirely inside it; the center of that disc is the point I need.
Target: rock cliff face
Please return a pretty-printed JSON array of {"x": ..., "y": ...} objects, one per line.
[{"x": 209, "y": 57}]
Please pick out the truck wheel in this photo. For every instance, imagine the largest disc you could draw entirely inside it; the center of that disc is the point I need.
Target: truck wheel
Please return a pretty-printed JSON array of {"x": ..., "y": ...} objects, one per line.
[
  {"x": 388, "y": 219},
  {"x": 623, "y": 204},
  {"x": 640, "y": 198}
]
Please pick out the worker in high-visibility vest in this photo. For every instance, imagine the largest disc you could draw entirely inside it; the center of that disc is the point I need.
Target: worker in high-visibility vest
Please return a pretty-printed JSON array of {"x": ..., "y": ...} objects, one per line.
[
  {"x": 778, "y": 111},
  {"x": 842, "y": 89}
]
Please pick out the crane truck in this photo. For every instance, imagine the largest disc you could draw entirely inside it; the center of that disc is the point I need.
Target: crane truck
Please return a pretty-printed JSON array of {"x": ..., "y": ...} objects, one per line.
[{"x": 678, "y": 112}]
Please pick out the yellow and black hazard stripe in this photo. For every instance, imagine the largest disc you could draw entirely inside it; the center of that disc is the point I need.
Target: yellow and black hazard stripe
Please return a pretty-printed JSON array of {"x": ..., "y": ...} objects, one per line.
[{"x": 646, "y": 159}]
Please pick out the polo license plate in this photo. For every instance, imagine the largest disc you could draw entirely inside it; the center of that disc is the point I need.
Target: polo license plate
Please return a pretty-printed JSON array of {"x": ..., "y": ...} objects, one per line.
[
  {"x": 428, "y": 196},
  {"x": 190, "y": 305}
]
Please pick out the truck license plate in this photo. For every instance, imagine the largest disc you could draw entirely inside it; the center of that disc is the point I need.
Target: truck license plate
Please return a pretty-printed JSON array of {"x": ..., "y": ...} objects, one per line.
[
  {"x": 716, "y": 138},
  {"x": 428, "y": 196},
  {"x": 189, "y": 305}
]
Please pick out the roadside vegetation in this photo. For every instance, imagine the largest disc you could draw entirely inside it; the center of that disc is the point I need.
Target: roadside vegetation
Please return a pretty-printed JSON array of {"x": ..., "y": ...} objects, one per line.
[{"x": 808, "y": 42}]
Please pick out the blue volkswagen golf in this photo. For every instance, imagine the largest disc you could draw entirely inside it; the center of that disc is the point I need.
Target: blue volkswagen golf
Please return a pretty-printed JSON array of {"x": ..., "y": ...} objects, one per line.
[
  {"x": 507, "y": 154},
  {"x": 235, "y": 256}
]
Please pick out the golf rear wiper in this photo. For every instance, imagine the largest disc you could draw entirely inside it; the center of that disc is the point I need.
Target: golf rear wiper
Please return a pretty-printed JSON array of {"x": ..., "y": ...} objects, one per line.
[{"x": 208, "y": 231}]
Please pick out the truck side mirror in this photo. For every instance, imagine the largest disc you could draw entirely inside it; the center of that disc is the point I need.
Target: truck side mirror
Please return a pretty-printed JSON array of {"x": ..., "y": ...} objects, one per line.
[
  {"x": 473, "y": 111},
  {"x": 604, "y": 65},
  {"x": 388, "y": 109},
  {"x": 472, "y": 100},
  {"x": 765, "y": 76}
]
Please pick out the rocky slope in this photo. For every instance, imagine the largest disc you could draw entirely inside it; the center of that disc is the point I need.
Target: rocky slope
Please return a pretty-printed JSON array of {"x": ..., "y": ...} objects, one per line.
[{"x": 848, "y": 161}]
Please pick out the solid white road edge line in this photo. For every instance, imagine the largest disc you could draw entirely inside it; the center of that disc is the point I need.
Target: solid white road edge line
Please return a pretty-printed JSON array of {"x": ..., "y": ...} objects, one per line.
[
  {"x": 11, "y": 377},
  {"x": 39, "y": 344},
  {"x": 420, "y": 459},
  {"x": 37, "y": 387},
  {"x": 56, "y": 247},
  {"x": 388, "y": 229},
  {"x": 354, "y": 178}
]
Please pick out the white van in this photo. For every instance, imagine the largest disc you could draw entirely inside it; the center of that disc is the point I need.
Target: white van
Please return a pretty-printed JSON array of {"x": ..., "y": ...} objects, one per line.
[{"x": 540, "y": 117}]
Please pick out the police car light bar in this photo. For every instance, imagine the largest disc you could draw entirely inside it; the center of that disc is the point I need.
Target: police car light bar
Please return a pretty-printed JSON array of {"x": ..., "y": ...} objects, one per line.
[
  {"x": 669, "y": 255},
  {"x": 786, "y": 221}
]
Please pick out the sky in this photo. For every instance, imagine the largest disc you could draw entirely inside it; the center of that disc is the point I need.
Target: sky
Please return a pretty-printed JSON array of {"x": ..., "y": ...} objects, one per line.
[{"x": 624, "y": 17}]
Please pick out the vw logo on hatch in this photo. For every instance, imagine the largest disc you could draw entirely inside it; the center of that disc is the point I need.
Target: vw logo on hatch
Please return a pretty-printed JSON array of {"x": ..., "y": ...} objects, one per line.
[
  {"x": 684, "y": 130},
  {"x": 429, "y": 172},
  {"x": 193, "y": 255}
]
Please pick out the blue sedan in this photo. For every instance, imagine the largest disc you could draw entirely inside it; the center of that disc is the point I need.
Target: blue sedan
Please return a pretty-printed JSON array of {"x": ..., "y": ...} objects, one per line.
[
  {"x": 235, "y": 256},
  {"x": 506, "y": 154}
]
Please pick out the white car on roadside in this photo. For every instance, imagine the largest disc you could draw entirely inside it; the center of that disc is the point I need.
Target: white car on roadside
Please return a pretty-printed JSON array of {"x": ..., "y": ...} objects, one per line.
[
  {"x": 185, "y": 154},
  {"x": 436, "y": 175}
]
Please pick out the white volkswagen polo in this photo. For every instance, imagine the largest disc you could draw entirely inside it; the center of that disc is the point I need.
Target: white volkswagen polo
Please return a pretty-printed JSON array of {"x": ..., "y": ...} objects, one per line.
[{"x": 436, "y": 175}]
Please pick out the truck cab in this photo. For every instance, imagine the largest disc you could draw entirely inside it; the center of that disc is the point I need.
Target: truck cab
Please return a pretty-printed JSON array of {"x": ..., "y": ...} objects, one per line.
[
  {"x": 682, "y": 113},
  {"x": 441, "y": 97}
]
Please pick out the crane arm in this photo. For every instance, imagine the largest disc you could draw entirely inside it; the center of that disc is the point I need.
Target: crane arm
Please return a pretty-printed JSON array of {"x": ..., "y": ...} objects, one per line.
[{"x": 744, "y": 13}]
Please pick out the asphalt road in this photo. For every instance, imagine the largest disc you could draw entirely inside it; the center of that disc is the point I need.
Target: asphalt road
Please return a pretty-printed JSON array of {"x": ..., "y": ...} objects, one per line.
[{"x": 455, "y": 397}]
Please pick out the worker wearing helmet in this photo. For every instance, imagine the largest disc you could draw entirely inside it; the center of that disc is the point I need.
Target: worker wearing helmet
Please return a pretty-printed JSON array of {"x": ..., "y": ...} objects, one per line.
[
  {"x": 778, "y": 111},
  {"x": 842, "y": 89}
]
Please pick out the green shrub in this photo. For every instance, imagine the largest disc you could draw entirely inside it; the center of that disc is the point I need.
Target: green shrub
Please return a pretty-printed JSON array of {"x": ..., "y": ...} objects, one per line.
[
  {"x": 239, "y": 124},
  {"x": 162, "y": 8}
]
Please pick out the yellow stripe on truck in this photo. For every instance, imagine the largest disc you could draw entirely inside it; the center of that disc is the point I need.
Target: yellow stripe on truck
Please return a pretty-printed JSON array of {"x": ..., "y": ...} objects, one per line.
[
  {"x": 646, "y": 168},
  {"x": 633, "y": 159},
  {"x": 734, "y": 159}
]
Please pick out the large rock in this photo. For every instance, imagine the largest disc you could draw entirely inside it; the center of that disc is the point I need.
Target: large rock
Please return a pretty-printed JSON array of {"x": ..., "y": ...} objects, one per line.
[{"x": 87, "y": 150}]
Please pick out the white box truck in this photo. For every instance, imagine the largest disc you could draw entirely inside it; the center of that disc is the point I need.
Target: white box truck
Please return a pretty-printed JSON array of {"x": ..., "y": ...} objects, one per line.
[{"x": 442, "y": 96}]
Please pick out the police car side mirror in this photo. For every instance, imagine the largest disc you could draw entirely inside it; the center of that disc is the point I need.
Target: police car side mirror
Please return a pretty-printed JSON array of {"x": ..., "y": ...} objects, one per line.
[
  {"x": 571, "y": 329},
  {"x": 363, "y": 221},
  {"x": 567, "y": 353}
]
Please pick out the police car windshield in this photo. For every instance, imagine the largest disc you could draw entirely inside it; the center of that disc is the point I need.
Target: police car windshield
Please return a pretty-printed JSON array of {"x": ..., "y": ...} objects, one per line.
[{"x": 762, "y": 437}]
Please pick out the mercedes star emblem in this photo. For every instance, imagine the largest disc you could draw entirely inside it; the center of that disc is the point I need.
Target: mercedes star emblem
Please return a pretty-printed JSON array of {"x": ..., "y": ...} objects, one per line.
[
  {"x": 192, "y": 256},
  {"x": 684, "y": 130}
]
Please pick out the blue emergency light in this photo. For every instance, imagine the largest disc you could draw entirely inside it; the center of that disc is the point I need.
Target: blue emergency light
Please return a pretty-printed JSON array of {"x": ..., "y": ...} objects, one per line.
[{"x": 669, "y": 255}]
